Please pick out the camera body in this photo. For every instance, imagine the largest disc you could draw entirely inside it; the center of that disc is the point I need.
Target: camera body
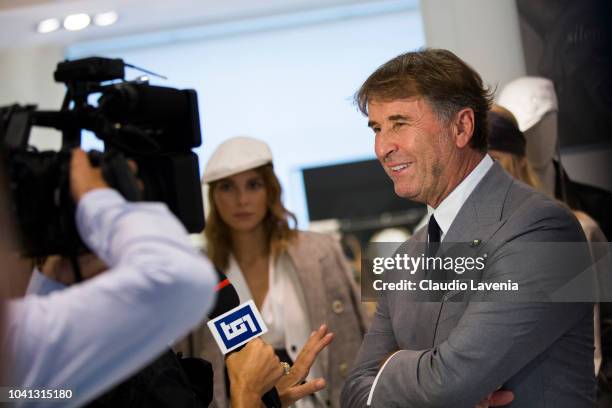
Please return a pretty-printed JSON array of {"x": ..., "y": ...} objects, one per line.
[{"x": 156, "y": 127}]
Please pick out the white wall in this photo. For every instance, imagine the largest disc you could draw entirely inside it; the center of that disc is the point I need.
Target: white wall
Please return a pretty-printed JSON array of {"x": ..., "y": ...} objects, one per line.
[
  {"x": 485, "y": 33},
  {"x": 27, "y": 78}
]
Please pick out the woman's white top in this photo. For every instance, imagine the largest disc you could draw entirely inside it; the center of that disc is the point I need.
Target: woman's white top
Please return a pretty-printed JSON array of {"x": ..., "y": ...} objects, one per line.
[{"x": 284, "y": 312}]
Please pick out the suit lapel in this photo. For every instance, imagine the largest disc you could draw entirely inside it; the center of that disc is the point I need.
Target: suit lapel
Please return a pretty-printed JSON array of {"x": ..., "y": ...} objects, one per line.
[
  {"x": 478, "y": 219},
  {"x": 481, "y": 214},
  {"x": 413, "y": 316}
]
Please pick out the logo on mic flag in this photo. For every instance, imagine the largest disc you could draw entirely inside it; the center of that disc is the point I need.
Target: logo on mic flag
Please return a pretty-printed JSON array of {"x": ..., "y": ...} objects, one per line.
[{"x": 237, "y": 326}]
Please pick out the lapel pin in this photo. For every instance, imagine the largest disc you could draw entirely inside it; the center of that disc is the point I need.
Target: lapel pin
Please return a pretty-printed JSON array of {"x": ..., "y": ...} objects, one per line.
[{"x": 475, "y": 243}]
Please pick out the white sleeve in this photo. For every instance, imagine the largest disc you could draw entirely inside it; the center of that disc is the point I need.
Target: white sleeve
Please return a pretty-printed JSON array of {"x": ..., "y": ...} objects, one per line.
[
  {"x": 39, "y": 284},
  {"x": 371, "y": 394},
  {"x": 91, "y": 336}
]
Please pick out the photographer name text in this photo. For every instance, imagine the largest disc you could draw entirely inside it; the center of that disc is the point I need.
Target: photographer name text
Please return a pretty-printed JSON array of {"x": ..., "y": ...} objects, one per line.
[{"x": 453, "y": 285}]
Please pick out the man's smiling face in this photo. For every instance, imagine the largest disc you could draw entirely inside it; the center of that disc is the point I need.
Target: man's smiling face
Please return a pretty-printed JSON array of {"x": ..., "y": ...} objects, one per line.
[{"x": 413, "y": 146}]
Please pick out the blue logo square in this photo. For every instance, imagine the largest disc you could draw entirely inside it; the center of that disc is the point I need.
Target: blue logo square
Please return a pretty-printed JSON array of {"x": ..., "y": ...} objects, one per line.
[{"x": 238, "y": 326}]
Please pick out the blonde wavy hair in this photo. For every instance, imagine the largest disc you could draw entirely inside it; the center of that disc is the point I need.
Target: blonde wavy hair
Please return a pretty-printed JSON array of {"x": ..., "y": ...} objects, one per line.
[
  {"x": 278, "y": 231},
  {"x": 518, "y": 167}
]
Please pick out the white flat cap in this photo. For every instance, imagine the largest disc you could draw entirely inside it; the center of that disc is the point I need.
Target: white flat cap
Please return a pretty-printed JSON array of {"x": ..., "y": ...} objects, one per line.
[
  {"x": 529, "y": 99},
  {"x": 236, "y": 155}
]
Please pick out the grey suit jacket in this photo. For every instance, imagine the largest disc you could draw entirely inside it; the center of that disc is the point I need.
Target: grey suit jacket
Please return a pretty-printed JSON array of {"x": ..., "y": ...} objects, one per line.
[{"x": 453, "y": 354}]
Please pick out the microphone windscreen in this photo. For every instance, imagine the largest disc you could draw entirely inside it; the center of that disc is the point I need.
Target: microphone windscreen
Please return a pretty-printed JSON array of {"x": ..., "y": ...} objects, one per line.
[{"x": 227, "y": 297}]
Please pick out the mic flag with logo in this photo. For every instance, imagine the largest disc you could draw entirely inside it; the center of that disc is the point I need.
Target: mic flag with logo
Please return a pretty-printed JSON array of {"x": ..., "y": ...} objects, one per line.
[{"x": 237, "y": 326}]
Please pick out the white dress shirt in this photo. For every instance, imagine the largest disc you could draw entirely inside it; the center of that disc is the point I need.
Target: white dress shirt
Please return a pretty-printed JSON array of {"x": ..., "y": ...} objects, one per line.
[
  {"x": 284, "y": 312},
  {"x": 88, "y": 337},
  {"x": 445, "y": 214},
  {"x": 448, "y": 209}
]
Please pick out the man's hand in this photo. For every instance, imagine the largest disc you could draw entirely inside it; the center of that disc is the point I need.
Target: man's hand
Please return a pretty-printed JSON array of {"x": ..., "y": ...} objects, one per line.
[
  {"x": 252, "y": 372},
  {"x": 290, "y": 387},
  {"x": 83, "y": 176},
  {"x": 498, "y": 398},
  {"x": 60, "y": 269}
]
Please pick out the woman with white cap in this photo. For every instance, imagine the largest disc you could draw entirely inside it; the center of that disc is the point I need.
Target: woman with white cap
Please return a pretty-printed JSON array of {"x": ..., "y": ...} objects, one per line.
[{"x": 298, "y": 280}]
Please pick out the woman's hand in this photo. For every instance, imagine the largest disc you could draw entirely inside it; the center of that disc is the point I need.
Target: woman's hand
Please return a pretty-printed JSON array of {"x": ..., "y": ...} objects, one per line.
[
  {"x": 290, "y": 387},
  {"x": 252, "y": 372}
]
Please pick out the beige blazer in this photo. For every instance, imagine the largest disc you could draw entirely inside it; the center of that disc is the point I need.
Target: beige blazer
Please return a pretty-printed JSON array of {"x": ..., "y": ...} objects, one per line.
[{"x": 331, "y": 297}]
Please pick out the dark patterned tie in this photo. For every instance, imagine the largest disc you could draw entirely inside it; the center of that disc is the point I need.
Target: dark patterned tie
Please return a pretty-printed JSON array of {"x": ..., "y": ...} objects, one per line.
[
  {"x": 433, "y": 244},
  {"x": 433, "y": 236}
]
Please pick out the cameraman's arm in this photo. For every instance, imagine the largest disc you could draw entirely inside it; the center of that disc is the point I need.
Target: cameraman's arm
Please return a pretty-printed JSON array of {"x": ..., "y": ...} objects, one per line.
[{"x": 90, "y": 336}]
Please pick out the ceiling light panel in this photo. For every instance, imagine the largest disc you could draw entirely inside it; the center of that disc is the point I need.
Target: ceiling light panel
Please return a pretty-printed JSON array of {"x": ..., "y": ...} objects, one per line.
[
  {"x": 48, "y": 25},
  {"x": 75, "y": 22},
  {"x": 106, "y": 19}
]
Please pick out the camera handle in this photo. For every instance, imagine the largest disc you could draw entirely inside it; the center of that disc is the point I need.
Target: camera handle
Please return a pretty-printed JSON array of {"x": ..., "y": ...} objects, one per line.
[{"x": 117, "y": 173}]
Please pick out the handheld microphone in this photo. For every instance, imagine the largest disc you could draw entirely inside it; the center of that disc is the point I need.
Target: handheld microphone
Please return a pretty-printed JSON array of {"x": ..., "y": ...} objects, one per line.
[{"x": 233, "y": 325}]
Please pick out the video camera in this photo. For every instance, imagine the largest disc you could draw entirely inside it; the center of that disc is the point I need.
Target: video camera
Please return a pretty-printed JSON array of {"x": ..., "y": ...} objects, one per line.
[{"x": 156, "y": 127}]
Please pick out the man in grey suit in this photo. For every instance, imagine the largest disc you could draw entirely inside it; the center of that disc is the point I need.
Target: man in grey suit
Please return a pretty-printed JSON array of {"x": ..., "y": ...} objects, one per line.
[{"x": 428, "y": 112}]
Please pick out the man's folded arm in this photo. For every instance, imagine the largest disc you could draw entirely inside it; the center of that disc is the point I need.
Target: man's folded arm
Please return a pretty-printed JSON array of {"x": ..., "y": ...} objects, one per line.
[
  {"x": 492, "y": 343},
  {"x": 378, "y": 344}
]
